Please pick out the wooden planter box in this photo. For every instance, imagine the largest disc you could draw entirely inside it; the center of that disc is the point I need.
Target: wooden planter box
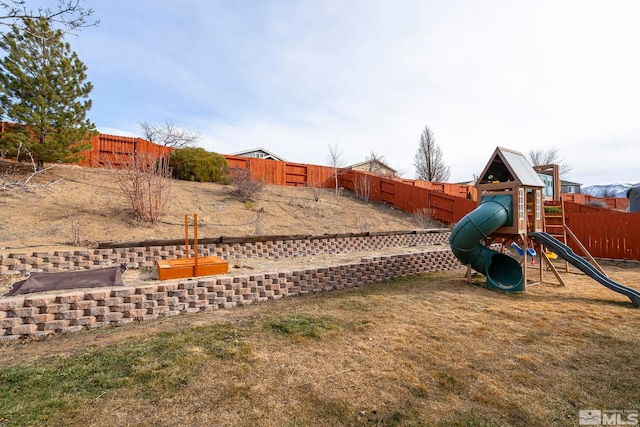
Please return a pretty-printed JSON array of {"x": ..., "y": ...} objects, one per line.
[{"x": 191, "y": 267}]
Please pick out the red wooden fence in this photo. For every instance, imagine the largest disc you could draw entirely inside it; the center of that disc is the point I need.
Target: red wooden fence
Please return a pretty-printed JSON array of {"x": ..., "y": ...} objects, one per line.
[
  {"x": 613, "y": 235},
  {"x": 116, "y": 150},
  {"x": 459, "y": 190},
  {"x": 605, "y": 233},
  {"x": 585, "y": 199},
  {"x": 444, "y": 207},
  {"x": 284, "y": 173}
]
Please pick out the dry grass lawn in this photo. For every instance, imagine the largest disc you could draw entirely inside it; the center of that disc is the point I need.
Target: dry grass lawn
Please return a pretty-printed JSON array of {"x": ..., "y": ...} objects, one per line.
[{"x": 425, "y": 350}]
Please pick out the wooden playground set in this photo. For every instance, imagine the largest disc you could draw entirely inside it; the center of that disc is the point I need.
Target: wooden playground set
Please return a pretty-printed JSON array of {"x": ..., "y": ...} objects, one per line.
[{"x": 512, "y": 212}]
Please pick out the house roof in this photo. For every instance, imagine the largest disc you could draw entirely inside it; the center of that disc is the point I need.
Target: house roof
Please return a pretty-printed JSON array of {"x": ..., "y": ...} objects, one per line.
[
  {"x": 268, "y": 154},
  {"x": 509, "y": 165},
  {"x": 565, "y": 182},
  {"x": 372, "y": 161}
]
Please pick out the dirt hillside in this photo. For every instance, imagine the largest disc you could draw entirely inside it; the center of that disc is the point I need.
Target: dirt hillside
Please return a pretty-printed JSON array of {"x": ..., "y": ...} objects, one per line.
[{"x": 68, "y": 204}]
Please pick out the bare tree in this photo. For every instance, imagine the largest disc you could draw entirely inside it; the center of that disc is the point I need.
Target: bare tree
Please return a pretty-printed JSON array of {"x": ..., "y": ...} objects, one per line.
[
  {"x": 377, "y": 164},
  {"x": 428, "y": 159},
  {"x": 168, "y": 134},
  {"x": 336, "y": 162},
  {"x": 362, "y": 186},
  {"x": 68, "y": 15},
  {"x": 550, "y": 156}
]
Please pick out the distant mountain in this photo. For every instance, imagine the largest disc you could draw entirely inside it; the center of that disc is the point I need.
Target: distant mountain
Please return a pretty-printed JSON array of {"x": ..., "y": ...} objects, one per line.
[{"x": 609, "y": 190}]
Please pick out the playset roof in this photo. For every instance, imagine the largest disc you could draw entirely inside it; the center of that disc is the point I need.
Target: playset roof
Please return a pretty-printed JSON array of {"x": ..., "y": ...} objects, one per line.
[{"x": 508, "y": 165}]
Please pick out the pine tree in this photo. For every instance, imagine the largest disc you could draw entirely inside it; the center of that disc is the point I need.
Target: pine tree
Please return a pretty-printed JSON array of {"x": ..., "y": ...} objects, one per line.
[{"x": 43, "y": 95}]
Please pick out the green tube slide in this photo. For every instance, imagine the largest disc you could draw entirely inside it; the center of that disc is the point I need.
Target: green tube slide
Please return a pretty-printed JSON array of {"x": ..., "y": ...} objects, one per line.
[{"x": 503, "y": 272}]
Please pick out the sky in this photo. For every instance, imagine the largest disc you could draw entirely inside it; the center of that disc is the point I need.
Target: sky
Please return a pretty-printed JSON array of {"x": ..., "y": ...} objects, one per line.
[{"x": 367, "y": 76}]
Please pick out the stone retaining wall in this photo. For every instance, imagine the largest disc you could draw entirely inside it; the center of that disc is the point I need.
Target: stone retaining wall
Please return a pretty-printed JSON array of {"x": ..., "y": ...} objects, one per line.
[
  {"x": 147, "y": 256},
  {"x": 40, "y": 315}
]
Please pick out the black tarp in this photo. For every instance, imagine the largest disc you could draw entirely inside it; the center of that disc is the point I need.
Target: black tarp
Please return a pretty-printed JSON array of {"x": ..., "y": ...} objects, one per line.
[{"x": 39, "y": 282}]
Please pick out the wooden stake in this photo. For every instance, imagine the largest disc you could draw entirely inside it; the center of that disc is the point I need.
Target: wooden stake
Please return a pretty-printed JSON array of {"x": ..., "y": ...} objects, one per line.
[
  {"x": 186, "y": 234},
  {"x": 195, "y": 243}
]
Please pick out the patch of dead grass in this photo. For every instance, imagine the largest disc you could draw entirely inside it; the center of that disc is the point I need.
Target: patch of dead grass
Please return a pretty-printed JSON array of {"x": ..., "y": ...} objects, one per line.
[{"x": 426, "y": 350}]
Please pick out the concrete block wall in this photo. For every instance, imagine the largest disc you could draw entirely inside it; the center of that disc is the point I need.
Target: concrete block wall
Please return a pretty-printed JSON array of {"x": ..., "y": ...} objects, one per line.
[
  {"x": 41, "y": 315},
  {"x": 145, "y": 257}
]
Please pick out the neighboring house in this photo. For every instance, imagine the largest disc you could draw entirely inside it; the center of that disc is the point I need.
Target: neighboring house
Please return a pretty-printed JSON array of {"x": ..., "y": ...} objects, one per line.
[
  {"x": 258, "y": 153},
  {"x": 374, "y": 166},
  {"x": 570, "y": 187}
]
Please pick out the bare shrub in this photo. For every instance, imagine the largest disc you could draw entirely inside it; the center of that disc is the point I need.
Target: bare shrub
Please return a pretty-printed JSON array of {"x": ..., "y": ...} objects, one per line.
[
  {"x": 363, "y": 224},
  {"x": 362, "y": 187},
  {"x": 245, "y": 187},
  {"x": 76, "y": 239},
  {"x": 259, "y": 222},
  {"x": 424, "y": 217},
  {"x": 145, "y": 181},
  {"x": 299, "y": 202},
  {"x": 339, "y": 192},
  {"x": 315, "y": 191},
  {"x": 318, "y": 212}
]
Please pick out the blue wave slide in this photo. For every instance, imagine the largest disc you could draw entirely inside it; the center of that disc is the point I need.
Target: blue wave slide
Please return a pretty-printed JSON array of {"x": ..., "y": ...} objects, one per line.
[{"x": 583, "y": 265}]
